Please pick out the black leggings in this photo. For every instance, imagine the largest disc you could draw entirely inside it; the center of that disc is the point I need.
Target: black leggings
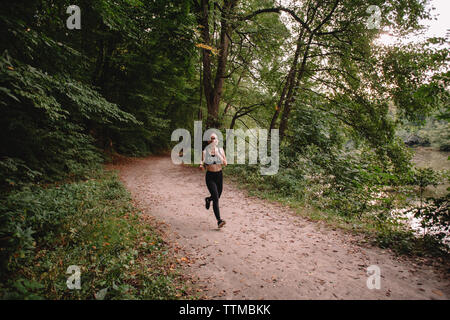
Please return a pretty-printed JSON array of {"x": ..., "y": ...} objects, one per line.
[{"x": 214, "y": 183}]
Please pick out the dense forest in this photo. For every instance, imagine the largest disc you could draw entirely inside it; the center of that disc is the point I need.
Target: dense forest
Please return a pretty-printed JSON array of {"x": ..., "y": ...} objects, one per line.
[{"x": 348, "y": 109}]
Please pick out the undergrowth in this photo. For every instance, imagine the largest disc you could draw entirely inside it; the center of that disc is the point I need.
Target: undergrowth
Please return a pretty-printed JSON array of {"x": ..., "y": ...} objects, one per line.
[{"x": 90, "y": 224}]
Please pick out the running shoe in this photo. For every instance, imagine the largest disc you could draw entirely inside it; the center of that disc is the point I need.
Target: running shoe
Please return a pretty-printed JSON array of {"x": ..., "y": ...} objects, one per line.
[{"x": 221, "y": 223}]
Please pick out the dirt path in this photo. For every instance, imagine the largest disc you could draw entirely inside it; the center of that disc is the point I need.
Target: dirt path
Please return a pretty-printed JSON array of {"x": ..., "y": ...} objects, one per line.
[{"x": 265, "y": 251}]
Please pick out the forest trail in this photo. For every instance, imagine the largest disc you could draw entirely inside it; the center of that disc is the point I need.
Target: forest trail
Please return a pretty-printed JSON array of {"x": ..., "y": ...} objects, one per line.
[{"x": 265, "y": 251}]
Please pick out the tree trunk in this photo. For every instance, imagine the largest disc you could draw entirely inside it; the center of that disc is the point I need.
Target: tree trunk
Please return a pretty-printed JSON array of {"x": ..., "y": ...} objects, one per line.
[
  {"x": 213, "y": 92},
  {"x": 200, "y": 113},
  {"x": 288, "y": 86},
  {"x": 291, "y": 97},
  {"x": 206, "y": 59},
  {"x": 233, "y": 121}
]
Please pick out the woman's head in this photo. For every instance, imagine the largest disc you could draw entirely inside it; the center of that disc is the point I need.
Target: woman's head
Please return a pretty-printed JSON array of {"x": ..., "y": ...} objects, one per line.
[{"x": 213, "y": 139}]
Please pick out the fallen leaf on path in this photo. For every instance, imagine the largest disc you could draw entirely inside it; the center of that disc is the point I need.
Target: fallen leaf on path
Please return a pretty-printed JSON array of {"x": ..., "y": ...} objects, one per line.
[{"x": 438, "y": 292}]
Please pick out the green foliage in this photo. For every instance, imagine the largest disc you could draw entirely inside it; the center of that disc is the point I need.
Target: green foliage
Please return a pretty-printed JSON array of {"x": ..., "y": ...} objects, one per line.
[
  {"x": 434, "y": 129},
  {"x": 43, "y": 110},
  {"x": 405, "y": 242},
  {"x": 419, "y": 78},
  {"x": 121, "y": 83},
  {"x": 91, "y": 224},
  {"x": 432, "y": 212},
  {"x": 424, "y": 177}
]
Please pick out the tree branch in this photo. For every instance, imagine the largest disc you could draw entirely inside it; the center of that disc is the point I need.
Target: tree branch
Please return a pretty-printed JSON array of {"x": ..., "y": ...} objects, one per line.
[{"x": 277, "y": 10}]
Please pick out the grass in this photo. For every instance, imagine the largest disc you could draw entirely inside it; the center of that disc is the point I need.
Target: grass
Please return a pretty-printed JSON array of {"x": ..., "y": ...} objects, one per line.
[{"x": 91, "y": 224}]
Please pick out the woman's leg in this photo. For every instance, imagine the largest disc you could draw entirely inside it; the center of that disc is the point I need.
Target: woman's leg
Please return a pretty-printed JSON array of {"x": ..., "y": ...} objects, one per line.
[
  {"x": 219, "y": 182},
  {"x": 211, "y": 183}
]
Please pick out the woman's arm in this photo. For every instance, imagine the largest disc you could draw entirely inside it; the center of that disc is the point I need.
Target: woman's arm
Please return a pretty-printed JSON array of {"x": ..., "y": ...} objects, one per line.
[
  {"x": 203, "y": 159},
  {"x": 224, "y": 158}
]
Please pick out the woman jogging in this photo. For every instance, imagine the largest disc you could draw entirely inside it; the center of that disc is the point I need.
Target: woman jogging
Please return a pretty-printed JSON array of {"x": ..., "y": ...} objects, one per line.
[{"x": 213, "y": 158}]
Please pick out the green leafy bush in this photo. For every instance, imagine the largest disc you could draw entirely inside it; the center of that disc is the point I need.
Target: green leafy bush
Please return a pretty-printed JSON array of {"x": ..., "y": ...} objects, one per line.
[{"x": 91, "y": 224}]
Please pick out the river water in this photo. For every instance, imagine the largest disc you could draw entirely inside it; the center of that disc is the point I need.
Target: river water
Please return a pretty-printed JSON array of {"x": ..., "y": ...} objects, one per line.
[
  {"x": 427, "y": 157},
  {"x": 430, "y": 157}
]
